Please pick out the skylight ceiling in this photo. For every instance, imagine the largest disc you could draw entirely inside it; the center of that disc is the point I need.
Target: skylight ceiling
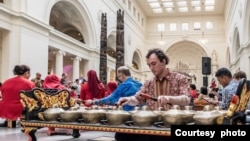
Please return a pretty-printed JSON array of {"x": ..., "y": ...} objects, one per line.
[{"x": 181, "y": 7}]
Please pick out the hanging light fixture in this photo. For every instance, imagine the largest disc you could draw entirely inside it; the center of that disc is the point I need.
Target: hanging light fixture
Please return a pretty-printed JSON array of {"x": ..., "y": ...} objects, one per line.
[
  {"x": 203, "y": 40},
  {"x": 161, "y": 28},
  {"x": 161, "y": 42}
]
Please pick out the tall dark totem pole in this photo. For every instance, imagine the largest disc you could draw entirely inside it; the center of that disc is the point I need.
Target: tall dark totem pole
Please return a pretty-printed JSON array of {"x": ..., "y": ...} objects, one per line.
[
  {"x": 119, "y": 40},
  {"x": 103, "y": 50}
]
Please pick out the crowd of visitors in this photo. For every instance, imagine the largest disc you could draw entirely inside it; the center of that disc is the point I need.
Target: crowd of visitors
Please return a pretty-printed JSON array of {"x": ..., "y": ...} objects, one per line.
[{"x": 168, "y": 87}]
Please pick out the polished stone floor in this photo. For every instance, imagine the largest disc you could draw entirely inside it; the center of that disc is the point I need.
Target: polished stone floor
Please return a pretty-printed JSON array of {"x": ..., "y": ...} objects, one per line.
[{"x": 15, "y": 134}]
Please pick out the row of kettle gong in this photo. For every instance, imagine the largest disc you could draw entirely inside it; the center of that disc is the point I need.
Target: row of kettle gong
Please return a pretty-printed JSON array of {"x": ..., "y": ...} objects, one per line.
[{"x": 141, "y": 116}]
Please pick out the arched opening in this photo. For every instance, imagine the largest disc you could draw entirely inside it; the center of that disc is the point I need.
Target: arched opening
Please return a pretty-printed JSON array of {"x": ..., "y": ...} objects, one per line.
[
  {"x": 136, "y": 61},
  {"x": 186, "y": 57},
  {"x": 111, "y": 45},
  {"x": 236, "y": 43},
  {"x": 64, "y": 18}
]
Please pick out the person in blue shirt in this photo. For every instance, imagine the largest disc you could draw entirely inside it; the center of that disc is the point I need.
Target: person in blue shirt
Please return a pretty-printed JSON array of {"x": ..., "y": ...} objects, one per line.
[
  {"x": 127, "y": 87},
  {"x": 230, "y": 85}
]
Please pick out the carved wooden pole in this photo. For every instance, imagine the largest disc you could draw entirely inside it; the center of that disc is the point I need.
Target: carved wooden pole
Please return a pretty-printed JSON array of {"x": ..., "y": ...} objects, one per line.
[
  {"x": 103, "y": 50},
  {"x": 120, "y": 39}
]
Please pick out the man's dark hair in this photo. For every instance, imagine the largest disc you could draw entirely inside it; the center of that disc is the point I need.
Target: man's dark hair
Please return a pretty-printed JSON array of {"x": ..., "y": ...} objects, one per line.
[
  {"x": 192, "y": 86},
  {"x": 239, "y": 75},
  {"x": 159, "y": 53},
  {"x": 223, "y": 72}
]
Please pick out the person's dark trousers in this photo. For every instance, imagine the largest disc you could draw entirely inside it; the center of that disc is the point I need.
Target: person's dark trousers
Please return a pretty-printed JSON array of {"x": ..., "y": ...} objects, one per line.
[{"x": 140, "y": 137}]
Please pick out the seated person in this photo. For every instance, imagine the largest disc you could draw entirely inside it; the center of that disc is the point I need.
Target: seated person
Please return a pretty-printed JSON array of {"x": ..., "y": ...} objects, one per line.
[
  {"x": 72, "y": 91},
  {"x": 214, "y": 96},
  {"x": 92, "y": 89},
  {"x": 127, "y": 87},
  {"x": 111, "y": 86},
  {"x": 202, "y": 100},
  {"x": 52, "y": 81},
  {"x": 10, "y": 105},
  {"x": 193, "y": 91}
]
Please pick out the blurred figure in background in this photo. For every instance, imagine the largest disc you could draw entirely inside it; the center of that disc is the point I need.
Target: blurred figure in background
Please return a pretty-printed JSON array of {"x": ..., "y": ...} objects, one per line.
[
  {"x": 93, "y": 88},
  {"x": 213, "y": 94},
  {"x": 203, "y": 93},
  {"x": 111, "y": 86},
  {"x": 82, "y": 80},
  {"x": 69, "y": 85},
  {"x": 72, "y": 91},
  {"x": 63, "y": 80},
  {"x": 77, "y": 85},
  {"x": 202, "y": 99},
  {"x": 239, "y": 75},
  {"x": 10, "y": 106},
  {"x": 38, "y": 80},
  {"x": 193, "y": 91},
  {"x": 52, "y": 81}
]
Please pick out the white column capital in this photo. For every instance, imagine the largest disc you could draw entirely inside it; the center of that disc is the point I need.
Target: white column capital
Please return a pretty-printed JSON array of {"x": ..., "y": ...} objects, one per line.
[
  {"x": 77, "y": 58},
  {"x": 60, "y": 52}
]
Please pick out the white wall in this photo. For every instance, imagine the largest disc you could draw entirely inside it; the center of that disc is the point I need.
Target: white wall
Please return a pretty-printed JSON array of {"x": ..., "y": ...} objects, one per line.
[{"x": 237, "y": 17}]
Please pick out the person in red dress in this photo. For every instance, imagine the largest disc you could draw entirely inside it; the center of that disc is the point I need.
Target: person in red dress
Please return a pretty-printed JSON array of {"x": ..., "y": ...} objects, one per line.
[
  {"x": 10, "y": 106},
  {"x": 193, "y": 91},
  {"x": 111, "y": 86},
  {"x": 52, "y": 81},
  {"x": 72, "y": 91},
  {"x": 93, "y": 88}
]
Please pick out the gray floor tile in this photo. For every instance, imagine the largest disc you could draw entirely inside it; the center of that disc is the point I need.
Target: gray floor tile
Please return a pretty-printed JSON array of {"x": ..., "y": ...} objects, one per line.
[{"x": 15, "y": 134}]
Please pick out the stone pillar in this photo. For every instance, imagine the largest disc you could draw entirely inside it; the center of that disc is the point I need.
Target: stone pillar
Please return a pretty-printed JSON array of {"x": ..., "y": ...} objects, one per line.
[
  {"x": 214, "y": 63},
  {"x": 59, "y": 62},
  {"x": 108, "y": 74},
  {"x": 76, "y": 67}
]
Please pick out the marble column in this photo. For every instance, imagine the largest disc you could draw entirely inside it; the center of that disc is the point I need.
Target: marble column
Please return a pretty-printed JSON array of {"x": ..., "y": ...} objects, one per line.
[
  {"x": 59, "y": 62},
  {"x": 214, "y": 63},
  {"x": 76, "y": 67},
  {"x": 108, "y": 74}
]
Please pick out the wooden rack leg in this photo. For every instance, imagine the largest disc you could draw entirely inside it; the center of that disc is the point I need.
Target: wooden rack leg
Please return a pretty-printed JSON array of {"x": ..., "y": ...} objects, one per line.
[{"x": 76, "y": 133}]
